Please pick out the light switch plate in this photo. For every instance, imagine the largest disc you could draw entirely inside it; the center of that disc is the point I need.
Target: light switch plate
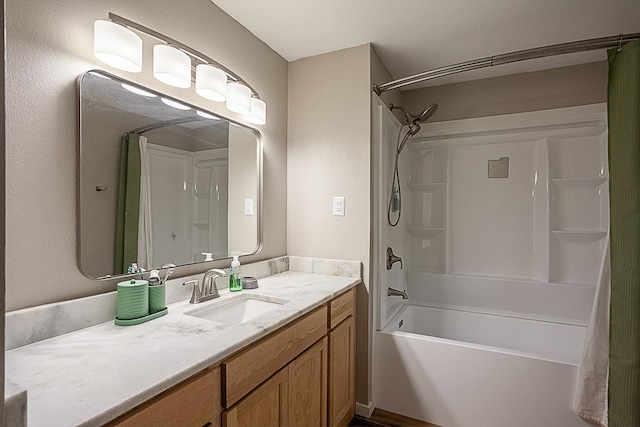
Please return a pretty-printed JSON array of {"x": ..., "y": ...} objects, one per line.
[
  {"x": 338, "y": 206},
  {"x": 248, "y": 207}
]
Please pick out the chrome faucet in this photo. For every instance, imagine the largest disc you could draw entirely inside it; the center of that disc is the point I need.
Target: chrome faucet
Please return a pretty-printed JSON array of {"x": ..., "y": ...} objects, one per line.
[
  {"x": 391, "y": 292},
  {"x": 391, "y": 259},
  {"x": 208, "y": 290}
]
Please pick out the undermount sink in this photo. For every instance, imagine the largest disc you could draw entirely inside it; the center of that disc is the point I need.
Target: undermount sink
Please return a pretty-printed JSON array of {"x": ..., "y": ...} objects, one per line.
[{"x": 237, "y": 309}]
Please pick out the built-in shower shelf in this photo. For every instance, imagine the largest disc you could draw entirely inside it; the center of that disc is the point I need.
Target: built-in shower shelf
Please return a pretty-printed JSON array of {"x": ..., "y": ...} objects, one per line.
[
  {"x": 581, "y": 182},
  {"x": 425, "y": 232},
  {"x": 579, "y": 236},
  {"x": 427, "y": 188},
  {"x": 201, "y": 225},
  {"x": 201, "y": 194}
]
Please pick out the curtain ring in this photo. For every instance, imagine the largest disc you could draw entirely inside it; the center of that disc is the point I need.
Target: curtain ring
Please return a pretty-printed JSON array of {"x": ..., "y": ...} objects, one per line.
[{"x": 620, "y": 42}]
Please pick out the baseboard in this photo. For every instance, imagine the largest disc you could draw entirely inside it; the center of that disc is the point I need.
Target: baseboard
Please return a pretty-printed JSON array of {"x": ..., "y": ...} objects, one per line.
[{"x": 364, "y": 410}]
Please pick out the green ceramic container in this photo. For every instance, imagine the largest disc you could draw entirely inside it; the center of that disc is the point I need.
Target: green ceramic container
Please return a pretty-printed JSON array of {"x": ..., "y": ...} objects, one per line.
[
  {"x": 156, "y": 298},
  {"x": 133, "y": 299}
]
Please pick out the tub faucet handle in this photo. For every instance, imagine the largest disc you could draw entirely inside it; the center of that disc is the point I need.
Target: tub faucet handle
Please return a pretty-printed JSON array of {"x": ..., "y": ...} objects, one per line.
[{"x": 391, "y": 259}]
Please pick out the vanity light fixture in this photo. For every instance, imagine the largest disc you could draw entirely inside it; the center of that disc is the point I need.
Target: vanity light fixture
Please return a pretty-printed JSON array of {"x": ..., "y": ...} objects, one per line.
[
  {"x": 171, "y": 66},
  {"x": 175, "y": 104},
  {"x": 258, "y": 113},
  {"x": 238, "y": 98},
  {"x": 211, "y": 82},
  {"x": 117, "y": 46},
  {"x": 174, "y": 64}
]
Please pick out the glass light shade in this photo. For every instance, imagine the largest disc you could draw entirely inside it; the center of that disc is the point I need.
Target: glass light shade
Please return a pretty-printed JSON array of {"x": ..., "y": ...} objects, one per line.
[
  {"x": 211, "y": 83},
  {"x": 171, "y": 66},
  {"x": 117, "y": 46},
  {"x": 175, "y": 104},
  {"x": 238, "y": 98},
  {"x": 258, "y": 114}
]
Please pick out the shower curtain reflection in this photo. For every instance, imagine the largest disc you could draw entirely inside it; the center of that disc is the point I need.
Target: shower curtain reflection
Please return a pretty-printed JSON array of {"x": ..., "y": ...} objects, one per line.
[
  {"x": 145, "y": 243},
  {"x": 133, "y": 205}
]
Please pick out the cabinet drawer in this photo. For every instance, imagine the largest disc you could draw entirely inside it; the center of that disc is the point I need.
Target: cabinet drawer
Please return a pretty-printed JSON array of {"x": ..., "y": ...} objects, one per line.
[
  {"x": 342, "y": 307},
  {"x": 249, "y": 368},
  {"x": 190, "y": 403}
]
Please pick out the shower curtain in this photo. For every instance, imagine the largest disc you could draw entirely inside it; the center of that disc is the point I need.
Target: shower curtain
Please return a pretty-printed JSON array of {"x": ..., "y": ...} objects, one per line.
[
  {"x": 590, "y": 400},
  {"x": 145, "y": 243},
  {"x": 624, "y": 190},
  {"x": 133, "y": 221}
]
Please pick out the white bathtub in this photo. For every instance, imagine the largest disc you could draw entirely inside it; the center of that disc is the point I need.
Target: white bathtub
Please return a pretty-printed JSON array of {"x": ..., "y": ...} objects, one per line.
[{"x": 457, "y": 368}]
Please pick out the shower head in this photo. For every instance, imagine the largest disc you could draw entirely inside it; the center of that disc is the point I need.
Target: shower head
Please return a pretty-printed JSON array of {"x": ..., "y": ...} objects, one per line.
[
  {"x": 425, "y": 114},
  {"x": 413, "y": 121}
]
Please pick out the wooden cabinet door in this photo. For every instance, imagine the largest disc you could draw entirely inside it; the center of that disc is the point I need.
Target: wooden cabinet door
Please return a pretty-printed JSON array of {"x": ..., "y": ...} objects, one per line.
[
  {"x": 308, "y": 387},
  {"x": 342, "y": 362},
  {"x": 266, "y": 405}
]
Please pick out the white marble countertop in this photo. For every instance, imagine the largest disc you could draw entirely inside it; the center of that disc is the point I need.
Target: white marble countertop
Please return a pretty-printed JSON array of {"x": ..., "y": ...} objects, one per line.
[{"x": 93, "y": 375}]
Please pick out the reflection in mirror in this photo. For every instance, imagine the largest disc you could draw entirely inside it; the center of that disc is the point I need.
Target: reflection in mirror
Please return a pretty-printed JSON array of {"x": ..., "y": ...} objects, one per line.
[{"x": 161, "y": 181}]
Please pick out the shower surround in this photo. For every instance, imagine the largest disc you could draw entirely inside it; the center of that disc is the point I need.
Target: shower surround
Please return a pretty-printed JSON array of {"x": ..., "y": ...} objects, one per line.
[{"x": 502, "y": 236}]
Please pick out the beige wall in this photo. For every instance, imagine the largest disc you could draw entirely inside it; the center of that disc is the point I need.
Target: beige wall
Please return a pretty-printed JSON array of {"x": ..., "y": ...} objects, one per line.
[
  {"x": 49, "y": 44},
  {"x": 328, "y": 154},
  {"x": 243, "y": 176},
  {"x": 516, "y": 93}
]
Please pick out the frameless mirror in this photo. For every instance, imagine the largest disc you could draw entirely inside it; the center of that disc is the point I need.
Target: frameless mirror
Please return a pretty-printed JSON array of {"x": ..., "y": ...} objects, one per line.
[{"x": 161, "y": 181}]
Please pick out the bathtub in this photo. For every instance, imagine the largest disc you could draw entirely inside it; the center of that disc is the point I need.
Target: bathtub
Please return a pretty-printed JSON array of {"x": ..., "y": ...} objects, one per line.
[{"x": 460, "y": 368}]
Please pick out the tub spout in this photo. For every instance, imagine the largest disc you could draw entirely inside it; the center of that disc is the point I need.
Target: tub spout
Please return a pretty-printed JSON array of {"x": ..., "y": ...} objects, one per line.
[{"x": 396, "y": 293}]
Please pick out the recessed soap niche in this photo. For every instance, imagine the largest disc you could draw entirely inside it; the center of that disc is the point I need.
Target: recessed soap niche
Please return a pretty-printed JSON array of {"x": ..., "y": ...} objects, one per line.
[{"x": 542, "y": 216}]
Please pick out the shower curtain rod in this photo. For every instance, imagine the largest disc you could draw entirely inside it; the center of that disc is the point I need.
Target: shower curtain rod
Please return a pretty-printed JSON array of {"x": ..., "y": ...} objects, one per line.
[
  {"x": 505, "y": 58},
  {"x": 166, "y": 123}
]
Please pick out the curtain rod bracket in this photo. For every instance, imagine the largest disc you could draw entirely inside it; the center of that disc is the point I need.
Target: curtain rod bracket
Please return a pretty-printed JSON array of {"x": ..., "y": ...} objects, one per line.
[{"x": 620, "y": 42}]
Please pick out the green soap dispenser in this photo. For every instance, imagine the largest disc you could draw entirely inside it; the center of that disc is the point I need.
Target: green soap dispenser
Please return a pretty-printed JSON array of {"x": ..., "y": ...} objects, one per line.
[{"x": 235, "y": 278}]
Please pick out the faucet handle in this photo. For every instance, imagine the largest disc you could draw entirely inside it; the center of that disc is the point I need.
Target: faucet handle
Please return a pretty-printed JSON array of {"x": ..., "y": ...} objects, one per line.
[
  {"x": 392, "y": 258},
  {"x": 195, "y": 294}
]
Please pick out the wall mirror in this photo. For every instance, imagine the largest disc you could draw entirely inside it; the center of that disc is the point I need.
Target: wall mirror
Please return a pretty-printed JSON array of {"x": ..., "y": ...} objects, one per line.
[{"x": 161, "y": 181}]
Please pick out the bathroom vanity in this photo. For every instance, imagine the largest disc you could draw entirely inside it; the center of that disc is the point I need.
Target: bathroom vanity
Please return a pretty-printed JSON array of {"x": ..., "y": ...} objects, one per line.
[
  {"x": 292, "y": 365},
  {"x": 301, "y": 374}
]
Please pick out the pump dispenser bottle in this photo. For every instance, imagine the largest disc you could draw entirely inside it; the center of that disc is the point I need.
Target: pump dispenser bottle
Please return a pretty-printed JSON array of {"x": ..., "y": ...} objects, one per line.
[{"x": 235, "y": 278}]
